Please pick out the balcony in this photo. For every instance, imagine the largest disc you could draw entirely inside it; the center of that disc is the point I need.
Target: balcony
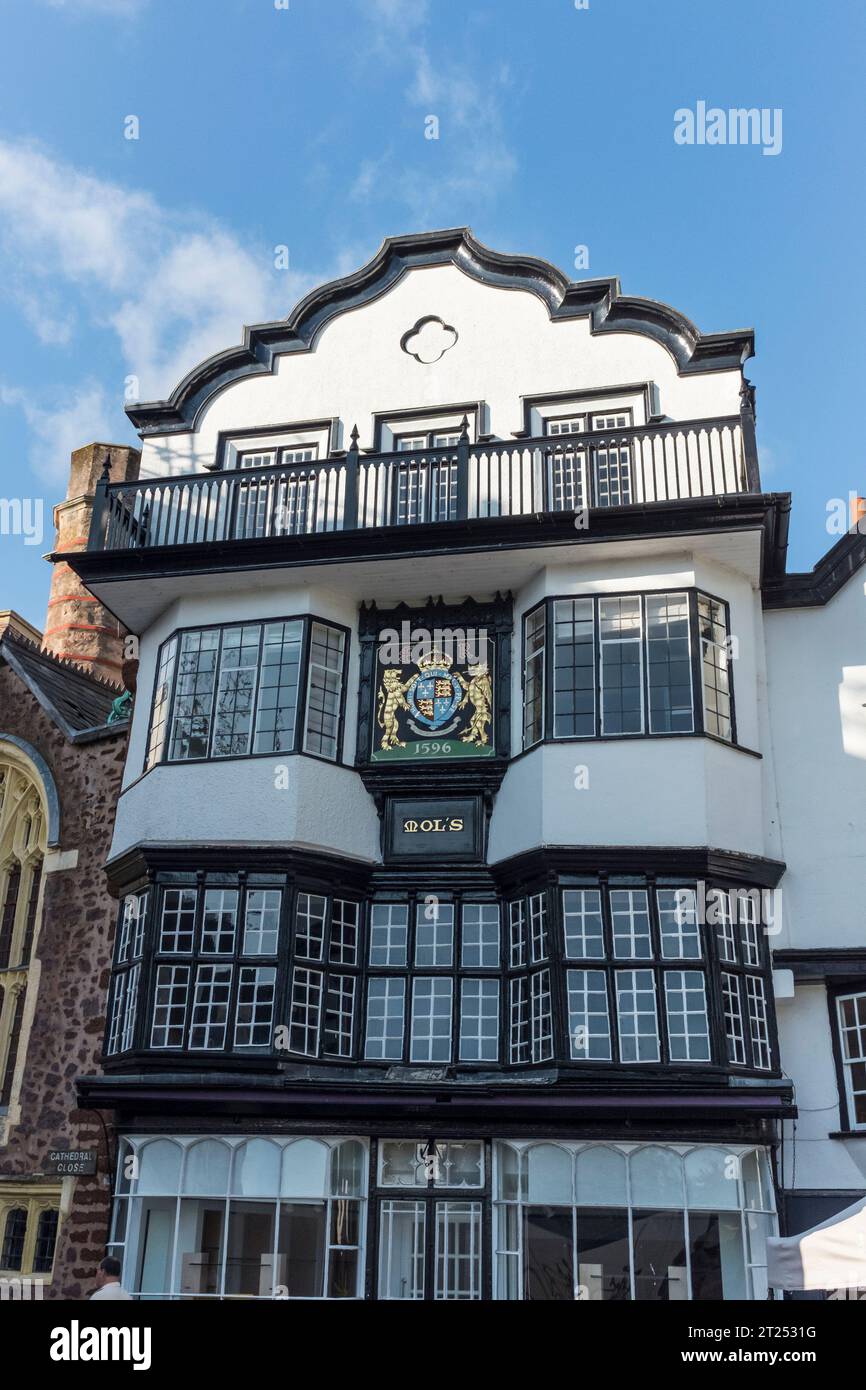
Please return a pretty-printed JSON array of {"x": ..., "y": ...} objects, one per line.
[{"x": 644, "y": 467}]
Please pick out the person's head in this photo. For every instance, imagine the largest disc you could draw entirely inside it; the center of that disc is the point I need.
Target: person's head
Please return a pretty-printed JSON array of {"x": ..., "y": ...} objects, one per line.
[{"x": 108, "y": 1272}]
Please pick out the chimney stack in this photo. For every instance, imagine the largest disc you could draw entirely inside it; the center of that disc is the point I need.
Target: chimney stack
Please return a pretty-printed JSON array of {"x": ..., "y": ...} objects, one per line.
[{"x": 77, "y": 625}]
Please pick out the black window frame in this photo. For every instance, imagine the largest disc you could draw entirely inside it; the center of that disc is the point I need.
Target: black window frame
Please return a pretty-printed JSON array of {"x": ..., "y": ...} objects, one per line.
[
  {"x": 524, "y": 973},
  {"x": 548, "y": 724},
  {"x": 309, "y": 621}
]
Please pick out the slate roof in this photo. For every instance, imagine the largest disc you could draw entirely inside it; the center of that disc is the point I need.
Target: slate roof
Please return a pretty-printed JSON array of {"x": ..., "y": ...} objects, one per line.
[{"x": 78, "y": 702}]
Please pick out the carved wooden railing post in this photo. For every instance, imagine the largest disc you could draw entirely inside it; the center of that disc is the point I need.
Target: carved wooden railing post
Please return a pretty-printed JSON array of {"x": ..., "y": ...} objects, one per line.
[
  {"x": 750, "y": 439},
  {"x": 463, "y": 471},
  {"x": 350, "y": 496},
  {"x": 97, "y": 539}
]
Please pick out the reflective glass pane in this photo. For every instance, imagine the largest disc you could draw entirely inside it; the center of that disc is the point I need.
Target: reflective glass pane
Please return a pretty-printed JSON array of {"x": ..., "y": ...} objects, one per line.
[
  {"x": 159, "y": 1168},
  {"x": 656, "y": 1178},
  {"x": 601, "y": 1180},
  {"x": 549, "y": 1174},
  {"x": 402, "y": 1229},
  {"x": 305, "y": 1168},
  {"x": 207, "y": 1168}
]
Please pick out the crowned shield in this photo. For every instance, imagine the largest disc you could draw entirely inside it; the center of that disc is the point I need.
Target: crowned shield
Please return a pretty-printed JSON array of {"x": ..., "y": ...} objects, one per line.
[{"x": 434, "y": 695}]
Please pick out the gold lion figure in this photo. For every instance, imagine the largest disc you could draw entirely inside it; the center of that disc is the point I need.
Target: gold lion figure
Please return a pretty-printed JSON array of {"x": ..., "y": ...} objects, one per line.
[
  {"x": 479, "y": 692},
  {"x": 392, "y": 696}
]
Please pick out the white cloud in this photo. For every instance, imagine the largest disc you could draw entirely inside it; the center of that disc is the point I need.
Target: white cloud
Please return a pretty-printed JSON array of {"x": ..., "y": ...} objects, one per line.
[
  {"x": 175, "y": 287},
  {"x": 81, "y": 417},
  {"x": 471, "y": 161}
]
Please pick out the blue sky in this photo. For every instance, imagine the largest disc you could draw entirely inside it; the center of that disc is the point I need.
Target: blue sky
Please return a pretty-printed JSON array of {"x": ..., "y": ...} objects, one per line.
[{"x": 262, "y": 126}]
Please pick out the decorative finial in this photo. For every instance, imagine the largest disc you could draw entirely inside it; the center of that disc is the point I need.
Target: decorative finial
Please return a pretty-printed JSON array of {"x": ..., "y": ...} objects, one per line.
[
  {"x": 464, "y": 428},
  {"x": 355, "y": 436},
  {"x": 106, "y": 468}
]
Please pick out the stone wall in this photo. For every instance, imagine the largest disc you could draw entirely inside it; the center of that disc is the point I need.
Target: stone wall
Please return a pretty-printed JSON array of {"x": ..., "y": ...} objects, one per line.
[{"x": 73, "y": 952}]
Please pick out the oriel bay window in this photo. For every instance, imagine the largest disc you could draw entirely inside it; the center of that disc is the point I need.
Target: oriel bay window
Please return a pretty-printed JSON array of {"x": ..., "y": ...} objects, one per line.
[
  {"x": 249, "y": 689},
  {"x": 607, "y": 666},
  {"x": 588, "y": 972}
]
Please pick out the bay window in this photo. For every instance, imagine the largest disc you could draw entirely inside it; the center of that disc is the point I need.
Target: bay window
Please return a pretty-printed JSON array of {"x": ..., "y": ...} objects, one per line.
[
  {"x": 626, "y": 665},
  {"x": 247, "y": 690},
  {"x": 617, "y": 971}
]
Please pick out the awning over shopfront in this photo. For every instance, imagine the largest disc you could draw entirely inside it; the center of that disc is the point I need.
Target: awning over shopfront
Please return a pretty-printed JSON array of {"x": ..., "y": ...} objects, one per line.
[{"x": 829, "y": 1256}]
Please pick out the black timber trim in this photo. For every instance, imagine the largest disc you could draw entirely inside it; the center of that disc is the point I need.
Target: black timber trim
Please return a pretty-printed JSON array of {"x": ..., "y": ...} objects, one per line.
[
  {"x": 816, "y": 587},
  {"x": 848, "y": 962},
  {"x": 272, "y": 1096},
  {"x": 601, "y": 301},
  {"x": 730, "y": 512},
  {"x": 694, "y": 863}
]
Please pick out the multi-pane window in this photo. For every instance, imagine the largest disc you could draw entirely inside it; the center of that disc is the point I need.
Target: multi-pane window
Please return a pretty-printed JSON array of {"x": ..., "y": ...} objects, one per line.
[
  {"x": 669, "y": 664},
  {"x": 678, "y": 923},
  {"x": 583, "y": 925},
  {"x": 324, "y": 690},
  {"x": 602, "y": 465},
  {"x": 389, "y": 934},
  {"x": 573, "y": 668},
  {"x": 622, "y": 970},
  {"x": 161, "y": 703},
  {"x": 434, "y": 933},
  {"x": 426, "y": 488},
  {"x": 386, "y": 1011},
  {"x": 735, "y": 915},
  {"x": 479, "y": 1020},
  {"x": 210, "y": 1006},
  {"x": 262, "y": 921},
  {"x": 624, "y": 665},
  {"x": 279, "y": 683},
  {"x": 125, "y": 986},
  {"x": 686, "y": 1008},
  {"x": 479, "y": 947},
  {"x": 621, "y": 665},
  {"x": 305, "y": 1011},
  {"x": 733, "y": 1007},
  {"x": 177, "y": 926},
  {"x": 169, "y": 1006},
  {"x": 219, "y": 921},
  {"x": 238, "y": 691},
  {"x": 517, "y": 945},
  {"x": 588, "y": 1016},
  {"x": 323, "y": 1002},
  {"x": 432, "y": 1003},
  {"x": 629, "y": 912},
  {"x": 310, "y": 915},
  {"x": 637, "y": 1015},
  {"x": 715, "y": 662},
  {"x": 852, "y": 1032},
  {"x": 254, "y": 1012},
  {"x": 759, "y": 1024},
  {"x": 533, "y": 676}
]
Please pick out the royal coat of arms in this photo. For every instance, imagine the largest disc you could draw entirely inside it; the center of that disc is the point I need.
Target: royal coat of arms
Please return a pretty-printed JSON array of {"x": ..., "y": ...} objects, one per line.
[{"x": 432, "y": 708}]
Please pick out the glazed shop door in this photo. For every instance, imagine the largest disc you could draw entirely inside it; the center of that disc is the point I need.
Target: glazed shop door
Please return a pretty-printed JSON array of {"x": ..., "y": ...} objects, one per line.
[{"x": 433, "y": 1228}]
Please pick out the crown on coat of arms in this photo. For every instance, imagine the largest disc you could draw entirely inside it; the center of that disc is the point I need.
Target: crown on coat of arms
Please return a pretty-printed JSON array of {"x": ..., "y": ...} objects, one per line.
[{"x": 431, "y": 660}]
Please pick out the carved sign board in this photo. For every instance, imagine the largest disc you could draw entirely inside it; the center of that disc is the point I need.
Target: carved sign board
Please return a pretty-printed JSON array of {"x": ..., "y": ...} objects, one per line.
[
  {"x": 434, "y": 703},
  {"x": 447, "y": 827},
  {"x": 73, "y": 1163}
]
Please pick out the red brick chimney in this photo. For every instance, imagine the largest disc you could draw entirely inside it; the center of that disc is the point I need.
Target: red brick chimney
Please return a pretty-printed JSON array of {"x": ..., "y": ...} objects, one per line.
[{"x": 77, "y": 625}]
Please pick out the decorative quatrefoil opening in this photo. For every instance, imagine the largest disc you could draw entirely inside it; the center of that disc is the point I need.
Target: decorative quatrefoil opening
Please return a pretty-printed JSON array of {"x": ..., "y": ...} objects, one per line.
[{"x": 429, "y": 340}]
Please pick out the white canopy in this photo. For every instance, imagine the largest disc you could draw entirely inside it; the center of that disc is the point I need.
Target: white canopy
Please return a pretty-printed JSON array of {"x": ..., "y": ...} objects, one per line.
[{"x": 829, "y": 1256}]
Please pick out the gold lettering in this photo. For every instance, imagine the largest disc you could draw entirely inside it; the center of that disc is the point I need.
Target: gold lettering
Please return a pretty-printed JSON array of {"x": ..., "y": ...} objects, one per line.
[
  {"x": 456, "y": 824},
  {"x": 410, "y": 826}
]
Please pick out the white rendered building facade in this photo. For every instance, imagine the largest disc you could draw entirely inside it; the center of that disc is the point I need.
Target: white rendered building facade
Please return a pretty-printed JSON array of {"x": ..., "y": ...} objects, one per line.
[{"x": 461, "y": 793}]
